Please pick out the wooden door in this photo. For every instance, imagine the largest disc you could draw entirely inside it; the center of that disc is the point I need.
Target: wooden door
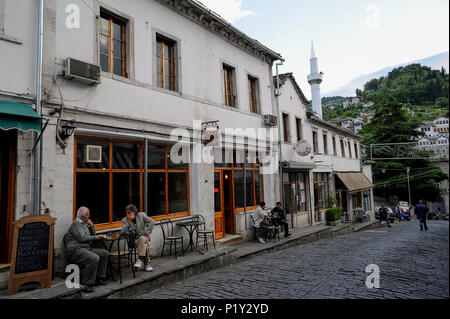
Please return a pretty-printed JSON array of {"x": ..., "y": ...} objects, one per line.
[
  {"x": 219, "y": 215},
  {"x": 7, "y": 191}
]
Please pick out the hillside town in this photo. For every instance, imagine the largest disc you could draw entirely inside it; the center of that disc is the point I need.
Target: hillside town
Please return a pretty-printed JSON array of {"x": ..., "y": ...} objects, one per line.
[{"x": 155, "y": 147}]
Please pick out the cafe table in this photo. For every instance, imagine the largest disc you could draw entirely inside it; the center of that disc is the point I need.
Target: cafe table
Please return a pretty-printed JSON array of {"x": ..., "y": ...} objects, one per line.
[{"x": 190, "y": 227}]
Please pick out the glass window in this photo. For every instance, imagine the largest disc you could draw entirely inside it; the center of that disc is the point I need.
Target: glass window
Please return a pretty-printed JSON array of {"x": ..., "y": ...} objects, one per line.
[
  {"x": 178, "y": 192},
  {"x": 182, "y": 158},
  {"x": 250, "y": 188},
  {"x": 85, "y": 158},
  {"x": 126, "y": 191},
  {"x": 92, "y": 191},
  {"x": 126, "y": 156},
  {"x": 239, "y": 189},
  {"x": 156, "y": 194},
  {"x": 156, "y": 157},
  {"x": 258, "y": 187}
]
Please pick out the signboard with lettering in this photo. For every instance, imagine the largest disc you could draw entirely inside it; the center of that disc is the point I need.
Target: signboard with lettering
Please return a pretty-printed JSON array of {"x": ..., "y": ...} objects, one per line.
[
  {"x": 303, "y": 148},
  {"x": 32, "y": 252}
]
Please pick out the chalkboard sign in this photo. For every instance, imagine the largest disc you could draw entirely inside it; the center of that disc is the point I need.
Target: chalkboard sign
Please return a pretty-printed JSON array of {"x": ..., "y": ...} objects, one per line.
[
  {"x": 32, "y": 248},
  {"x": 32, "y": 252}
]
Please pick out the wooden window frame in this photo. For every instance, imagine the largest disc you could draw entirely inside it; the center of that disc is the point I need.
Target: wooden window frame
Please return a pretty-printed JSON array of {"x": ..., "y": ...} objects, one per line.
[
  {"x": 325, "y": 143},
  {"x": 286, "y": 129},
  {"x": 228, "y": 78},
  {"x": 141, "y": 172},
  {"x": 320, "y": 182},
  {"x": 123, "y": 25},
  {"x": 253, "y": 95},
  {"x": 298, "y": 123},
  {"x": 297, "y": 182},
  {"x": 171, "y": 44}
]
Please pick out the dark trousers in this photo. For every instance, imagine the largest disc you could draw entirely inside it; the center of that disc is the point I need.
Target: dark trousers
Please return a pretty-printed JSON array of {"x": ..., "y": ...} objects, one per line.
[
  {"x": 282, "y": 223},
  {"x": 93, "y": 263},
  {"x": 423, "y": 222}
]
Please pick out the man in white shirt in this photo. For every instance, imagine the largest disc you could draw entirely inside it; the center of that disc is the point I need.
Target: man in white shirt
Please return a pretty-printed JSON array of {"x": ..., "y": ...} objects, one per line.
[{"x": 258, "y": 218}]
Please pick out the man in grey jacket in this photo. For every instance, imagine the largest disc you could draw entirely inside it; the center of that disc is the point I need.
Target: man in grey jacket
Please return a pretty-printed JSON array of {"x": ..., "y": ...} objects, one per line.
[
  {"x": 142, "y": 225},
  {"x": 81, "y": 249}
]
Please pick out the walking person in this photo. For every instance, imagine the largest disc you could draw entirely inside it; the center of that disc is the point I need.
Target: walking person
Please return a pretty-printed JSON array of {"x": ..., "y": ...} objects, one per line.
[
  {"x": 384, "y": 215},
  {"x": 398, "y": 212},
  {"x": 422, "y": 212}
]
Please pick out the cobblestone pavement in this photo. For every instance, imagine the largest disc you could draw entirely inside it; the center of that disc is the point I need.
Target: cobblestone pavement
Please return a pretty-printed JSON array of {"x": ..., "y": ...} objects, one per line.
[{"x": 413, "y": 265}]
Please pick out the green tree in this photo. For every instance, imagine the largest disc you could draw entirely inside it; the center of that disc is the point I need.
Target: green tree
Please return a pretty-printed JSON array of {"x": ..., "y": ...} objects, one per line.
[{"x": 392, "y": 124}]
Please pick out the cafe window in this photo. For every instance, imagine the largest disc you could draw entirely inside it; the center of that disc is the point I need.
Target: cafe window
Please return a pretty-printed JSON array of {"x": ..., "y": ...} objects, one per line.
[
  {"x": 109, "y": 175},
  {"x": 253, "y": 180},
  {"x": 112, "y": 42},
  {"x": 321, "y": 190},
  {"x": 295, "y": 192},
  {"x": 357, "y": 200}
]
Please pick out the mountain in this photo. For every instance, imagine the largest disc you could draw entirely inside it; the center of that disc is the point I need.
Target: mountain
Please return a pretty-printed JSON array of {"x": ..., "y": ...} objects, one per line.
[{"x": 435, "y": 62}]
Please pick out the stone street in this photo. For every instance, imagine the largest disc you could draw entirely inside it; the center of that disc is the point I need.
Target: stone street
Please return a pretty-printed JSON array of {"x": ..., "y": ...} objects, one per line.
[{"x": 412, "y": 264}]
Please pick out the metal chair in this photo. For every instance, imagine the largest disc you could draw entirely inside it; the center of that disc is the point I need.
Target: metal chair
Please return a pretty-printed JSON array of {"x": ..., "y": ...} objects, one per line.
[
  {"x": 204, "y": 233},
  {"x": 128, "y": 251},
  {"x": 273, "y": 229},
  {"x": 169, "y": 238}
]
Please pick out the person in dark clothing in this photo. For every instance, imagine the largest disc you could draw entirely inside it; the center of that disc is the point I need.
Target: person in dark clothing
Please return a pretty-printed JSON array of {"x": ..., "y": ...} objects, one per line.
[
  {"x": 422, "y": 212},
  {"x": 384, "y": 215},
  {"x": 278, "y": 217}
]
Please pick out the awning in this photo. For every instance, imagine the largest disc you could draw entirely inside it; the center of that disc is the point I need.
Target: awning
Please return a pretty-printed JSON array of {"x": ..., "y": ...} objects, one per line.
[
  {"x": 355, "y": 181},
  {"x": 298, "y": 166},
  {"x": 18, "y": 116}
]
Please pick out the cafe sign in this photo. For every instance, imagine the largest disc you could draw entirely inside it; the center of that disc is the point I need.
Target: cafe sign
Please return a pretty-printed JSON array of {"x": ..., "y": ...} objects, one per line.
[{"x": 303, "y": 148}]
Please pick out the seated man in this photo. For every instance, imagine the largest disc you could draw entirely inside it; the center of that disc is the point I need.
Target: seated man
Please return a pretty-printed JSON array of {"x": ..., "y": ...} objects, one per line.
[
  {"x": 259, "y": 217},
  {"x": 143, "y": 226},
  {"x": 82, "y": 244},
  {"x": 279, "y": 219}
]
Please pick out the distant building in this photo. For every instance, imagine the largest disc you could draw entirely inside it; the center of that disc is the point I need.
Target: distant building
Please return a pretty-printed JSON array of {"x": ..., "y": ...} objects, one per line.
[{"x": 435, "y": 128}]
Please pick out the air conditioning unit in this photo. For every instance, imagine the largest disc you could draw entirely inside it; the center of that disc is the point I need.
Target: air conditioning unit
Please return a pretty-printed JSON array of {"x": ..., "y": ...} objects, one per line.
[
  {"x": 82, "y": 72},
  {"x": 270, "y": 120},
  {"x": 92, "y": 154}
]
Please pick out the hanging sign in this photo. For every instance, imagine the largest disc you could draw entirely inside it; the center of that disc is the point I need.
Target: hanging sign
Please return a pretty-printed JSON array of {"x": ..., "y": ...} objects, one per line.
[{"x": 303, "y": 148}]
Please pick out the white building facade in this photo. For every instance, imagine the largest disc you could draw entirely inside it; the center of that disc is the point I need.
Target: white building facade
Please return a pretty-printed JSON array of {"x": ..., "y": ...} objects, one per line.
[{"x": 167, "y": 71}]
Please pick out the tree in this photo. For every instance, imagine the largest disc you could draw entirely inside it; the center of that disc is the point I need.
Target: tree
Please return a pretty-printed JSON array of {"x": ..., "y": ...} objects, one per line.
[
  {"x": 392, "y": 124},
  {"x": 359, "y": 93}
]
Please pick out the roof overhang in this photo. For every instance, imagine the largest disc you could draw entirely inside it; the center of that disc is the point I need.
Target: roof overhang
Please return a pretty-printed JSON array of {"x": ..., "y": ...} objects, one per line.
[
  {"x": 298, "y": 166},
  {"x": 200, "y": 14},
  {"x": 355, "y": 182}
]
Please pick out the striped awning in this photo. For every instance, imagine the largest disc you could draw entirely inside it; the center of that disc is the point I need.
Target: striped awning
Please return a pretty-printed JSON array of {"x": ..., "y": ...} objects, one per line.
[{"x": 18, "y": 116}]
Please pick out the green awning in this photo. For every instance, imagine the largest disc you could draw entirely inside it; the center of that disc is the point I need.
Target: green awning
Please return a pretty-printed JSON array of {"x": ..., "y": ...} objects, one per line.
[{"x": 18, "y": 116}]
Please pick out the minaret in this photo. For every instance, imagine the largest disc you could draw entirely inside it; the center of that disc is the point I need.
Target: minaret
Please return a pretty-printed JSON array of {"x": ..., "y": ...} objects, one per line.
[{"x": 314, "y": 79}]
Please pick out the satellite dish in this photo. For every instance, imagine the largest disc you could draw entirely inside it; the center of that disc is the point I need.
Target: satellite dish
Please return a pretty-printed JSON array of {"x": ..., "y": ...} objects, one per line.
[{"x": 303, "y": 148}]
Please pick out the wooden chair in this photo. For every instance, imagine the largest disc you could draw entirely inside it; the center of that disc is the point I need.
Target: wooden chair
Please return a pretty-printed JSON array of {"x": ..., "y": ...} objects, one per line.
[
  {"x": 169, "y": 238},
  {"x": 204, "y": 233},
  {"x": 273, "y": 230}
]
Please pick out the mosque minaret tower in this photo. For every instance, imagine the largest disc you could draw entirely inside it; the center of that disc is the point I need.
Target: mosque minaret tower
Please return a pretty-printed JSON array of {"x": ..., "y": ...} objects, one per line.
[{"x": 314, "y": 79}]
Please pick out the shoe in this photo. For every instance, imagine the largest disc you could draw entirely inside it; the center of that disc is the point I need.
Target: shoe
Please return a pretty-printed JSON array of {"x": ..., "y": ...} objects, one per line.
[
  {"x": 287, "y": 235},
  {"x": 148, "y": 268},
  {"x": 88, "y": 289},
  {"x": 261, "y": 240},
  {"x": 139, "y": 264},
  {"x": 100, "y": 282}
]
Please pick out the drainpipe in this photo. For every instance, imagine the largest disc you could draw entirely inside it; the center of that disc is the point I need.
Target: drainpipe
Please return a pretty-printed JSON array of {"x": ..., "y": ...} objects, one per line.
[
  {"x": 280, "y": 159},
  {"x": 37, "y": 153}
]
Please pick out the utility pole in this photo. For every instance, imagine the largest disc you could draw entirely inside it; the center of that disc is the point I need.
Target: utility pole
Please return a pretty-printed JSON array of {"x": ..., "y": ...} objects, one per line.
[{"x": 408, "y": 169}]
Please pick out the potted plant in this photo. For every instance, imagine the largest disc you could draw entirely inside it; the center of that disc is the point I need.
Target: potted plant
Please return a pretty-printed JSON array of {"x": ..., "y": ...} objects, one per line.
[{"x": 333, "y": 216}]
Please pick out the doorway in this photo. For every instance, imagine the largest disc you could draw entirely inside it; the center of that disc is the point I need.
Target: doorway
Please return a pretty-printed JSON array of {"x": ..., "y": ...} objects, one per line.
[
  {"x": 223, "y": 203},
  {"x": 7, "y": 191}
]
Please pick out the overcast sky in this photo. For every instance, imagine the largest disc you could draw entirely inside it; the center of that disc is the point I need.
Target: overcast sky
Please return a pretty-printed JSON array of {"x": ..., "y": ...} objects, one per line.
[{"x": 351, "y": 37}]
